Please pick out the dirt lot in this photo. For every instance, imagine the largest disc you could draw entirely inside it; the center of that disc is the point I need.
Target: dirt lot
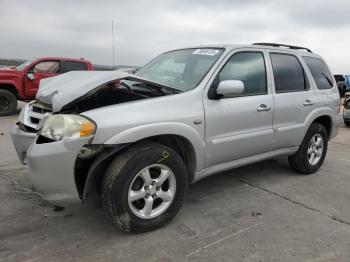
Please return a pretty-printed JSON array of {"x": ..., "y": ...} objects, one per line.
[{"x": 263, "y": 212}]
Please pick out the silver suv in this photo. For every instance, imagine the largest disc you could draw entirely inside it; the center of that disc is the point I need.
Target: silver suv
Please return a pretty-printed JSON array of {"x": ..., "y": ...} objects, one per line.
[{"x": 139, "y": 140}]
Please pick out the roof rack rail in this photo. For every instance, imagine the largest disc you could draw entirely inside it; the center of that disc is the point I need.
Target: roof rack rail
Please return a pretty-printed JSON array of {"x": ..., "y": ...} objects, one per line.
[{"x": 282, "y": 45}]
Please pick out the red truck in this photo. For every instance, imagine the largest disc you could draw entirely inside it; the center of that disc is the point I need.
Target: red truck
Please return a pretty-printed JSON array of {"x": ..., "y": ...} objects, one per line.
[{"x": 22, "y": 82}]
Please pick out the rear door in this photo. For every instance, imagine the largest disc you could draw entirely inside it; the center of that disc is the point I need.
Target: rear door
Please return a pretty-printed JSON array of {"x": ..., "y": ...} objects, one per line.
[
  {"x": 323, "y": 81},
  {"x": 41, "y": 70},
  {"x": 294, "y": 99},
  {"x": 68, "y": 66},
  {"x": 238, "y": 127}
]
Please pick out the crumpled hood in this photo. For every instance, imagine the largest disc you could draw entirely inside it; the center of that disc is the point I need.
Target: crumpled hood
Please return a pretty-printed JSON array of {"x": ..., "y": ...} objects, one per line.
[{"x": 63, "y": 89}]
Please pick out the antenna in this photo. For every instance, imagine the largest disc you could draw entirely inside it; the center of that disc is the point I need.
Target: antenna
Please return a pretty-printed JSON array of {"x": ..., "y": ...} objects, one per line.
[{"x": 113, "y": 45}]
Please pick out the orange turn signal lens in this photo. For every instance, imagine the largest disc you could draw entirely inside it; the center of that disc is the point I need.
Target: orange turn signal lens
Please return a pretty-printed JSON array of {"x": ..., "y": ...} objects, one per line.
[{"x": 87, "y": 129}]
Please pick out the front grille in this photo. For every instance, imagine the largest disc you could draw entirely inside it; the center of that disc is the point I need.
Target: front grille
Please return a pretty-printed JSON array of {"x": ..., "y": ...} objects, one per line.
[
  {"x": 34, "y": 120},
  {"x": 25, "y": 128},
  {"x": 36, "y": 113},
  {"x": 39, "y": 109},
  {"x": 31, "y": 117}
]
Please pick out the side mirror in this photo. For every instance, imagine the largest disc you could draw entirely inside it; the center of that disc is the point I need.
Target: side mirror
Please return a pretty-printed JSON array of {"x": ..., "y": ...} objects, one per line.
[
  {"x": 30, "y": 76},
  {"x": 230, "y": 88}
]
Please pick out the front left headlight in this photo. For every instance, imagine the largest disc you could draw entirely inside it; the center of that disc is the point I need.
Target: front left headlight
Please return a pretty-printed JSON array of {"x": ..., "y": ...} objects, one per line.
[{"x": 59, "y": 127}]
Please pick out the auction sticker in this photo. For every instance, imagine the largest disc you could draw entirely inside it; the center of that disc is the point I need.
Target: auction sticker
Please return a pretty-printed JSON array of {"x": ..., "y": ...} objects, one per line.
[{"x": 210, "y": 52}]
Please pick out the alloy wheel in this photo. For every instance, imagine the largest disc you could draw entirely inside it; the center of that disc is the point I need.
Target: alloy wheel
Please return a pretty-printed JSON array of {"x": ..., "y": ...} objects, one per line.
[
  {"x": 315, "y": 149},
  {"x": 152, "y": 191}
]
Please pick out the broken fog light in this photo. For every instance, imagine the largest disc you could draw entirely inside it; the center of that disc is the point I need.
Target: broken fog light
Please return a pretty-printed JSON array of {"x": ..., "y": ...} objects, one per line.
[{"x": 59, "y": 127}]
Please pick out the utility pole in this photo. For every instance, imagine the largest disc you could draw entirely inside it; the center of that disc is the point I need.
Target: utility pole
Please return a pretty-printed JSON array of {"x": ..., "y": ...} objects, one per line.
[{"x": 113, "y": 45}]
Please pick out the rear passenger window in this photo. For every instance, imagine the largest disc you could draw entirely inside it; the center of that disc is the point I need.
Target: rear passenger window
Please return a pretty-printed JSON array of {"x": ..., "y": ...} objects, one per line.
[
  {"x": 320, "y": 72},
  {"x": 288, "y": 73},
  {"x": 249, "y": 67},
  {"x": 74, "y": 66}
]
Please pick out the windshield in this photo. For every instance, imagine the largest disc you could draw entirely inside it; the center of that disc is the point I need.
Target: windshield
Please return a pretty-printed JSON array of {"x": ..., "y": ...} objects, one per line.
[
  {"x": 181, "y": 69},
  {"x": 23, "y": 65}
]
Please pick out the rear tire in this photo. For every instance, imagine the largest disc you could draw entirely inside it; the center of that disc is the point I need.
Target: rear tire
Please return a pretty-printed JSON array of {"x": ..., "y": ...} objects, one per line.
[
  {"x": 312, "y": 151},
  {"x": 8, "y": 103},
  {"x": 132, "y": 191}
]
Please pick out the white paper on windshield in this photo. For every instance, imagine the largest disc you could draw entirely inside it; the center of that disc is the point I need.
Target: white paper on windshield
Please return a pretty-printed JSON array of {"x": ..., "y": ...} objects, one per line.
[{"x": 210, "y": 52}]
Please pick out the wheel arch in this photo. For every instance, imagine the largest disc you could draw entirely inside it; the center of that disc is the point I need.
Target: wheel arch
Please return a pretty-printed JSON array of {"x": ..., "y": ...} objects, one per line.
[
  {"x": 324, "y": 116},
  {"x": 326, "y": 121},
  {"x": 11, "y": 88},
  {"x": 97, "y": 169}
]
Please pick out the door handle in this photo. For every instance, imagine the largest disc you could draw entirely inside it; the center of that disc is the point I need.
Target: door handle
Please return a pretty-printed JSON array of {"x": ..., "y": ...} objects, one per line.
[
  {"x": 308, "y": 102},
  {"x": 263, "y": 108}
]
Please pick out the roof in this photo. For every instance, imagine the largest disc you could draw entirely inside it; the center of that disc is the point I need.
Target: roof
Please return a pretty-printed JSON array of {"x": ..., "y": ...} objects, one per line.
[
  {"x": 279, "y": 47},
  {"x": 63, "y": 58}
]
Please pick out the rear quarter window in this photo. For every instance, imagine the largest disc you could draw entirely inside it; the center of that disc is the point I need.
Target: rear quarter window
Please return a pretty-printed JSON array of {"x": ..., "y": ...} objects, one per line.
[
  {"x": 320, "y": 72},
  {"x": 74, "y": 66}
]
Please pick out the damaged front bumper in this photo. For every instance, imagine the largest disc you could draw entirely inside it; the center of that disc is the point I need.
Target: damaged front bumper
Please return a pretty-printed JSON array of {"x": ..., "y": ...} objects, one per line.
[
  {"x": 21, "y": 141},
  {"x": 52, "y": 167},
  {"x": 24, "y": 132},
  {"x": 51, "y": 164}
]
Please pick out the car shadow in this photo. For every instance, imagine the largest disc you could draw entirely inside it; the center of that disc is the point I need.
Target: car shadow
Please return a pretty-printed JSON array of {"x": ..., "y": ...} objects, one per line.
[
  {"x": 198, "y": 196},
  {"x": 274, "y": 170}
]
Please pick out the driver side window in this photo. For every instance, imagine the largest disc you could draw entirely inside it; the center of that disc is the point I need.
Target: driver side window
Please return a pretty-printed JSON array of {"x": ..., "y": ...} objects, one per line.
[
  {"x": 249, "y": 67},
  {"x": 47, "y": 67}
]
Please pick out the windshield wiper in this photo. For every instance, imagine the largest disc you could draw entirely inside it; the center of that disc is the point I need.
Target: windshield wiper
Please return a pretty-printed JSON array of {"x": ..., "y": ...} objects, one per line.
[
  {"x": 122, "y": 83},
  {"x": 328, "y": 80},
  {"x": 158, "y": 87}
]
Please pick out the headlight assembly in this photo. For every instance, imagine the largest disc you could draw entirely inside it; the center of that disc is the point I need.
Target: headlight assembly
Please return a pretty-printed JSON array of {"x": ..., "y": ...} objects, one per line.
[{"x": 59, "y": 127}]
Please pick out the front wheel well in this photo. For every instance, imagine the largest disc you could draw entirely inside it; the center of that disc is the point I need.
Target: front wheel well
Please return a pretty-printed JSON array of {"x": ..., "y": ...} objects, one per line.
[
  {"x": 183, "y": 147},
  {"x": 326, "y": 121},
  {"x": 10, "y": 88},
  {"x": 89, "y": 174}
]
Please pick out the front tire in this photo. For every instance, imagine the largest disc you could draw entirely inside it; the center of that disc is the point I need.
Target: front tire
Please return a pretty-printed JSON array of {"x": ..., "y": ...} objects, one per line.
[
  {"x": 8, "y": 103},
  {"x": 312, "y": 151},
  {"x": 144, "y": 187}
]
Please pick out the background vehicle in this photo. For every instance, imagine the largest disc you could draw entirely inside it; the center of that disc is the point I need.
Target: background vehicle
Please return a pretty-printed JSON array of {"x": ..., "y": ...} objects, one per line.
[
  {"x": 187, "y": 114},
  {"x": 22, "y": 82},
  {"x": 341, "y": 83},
  {"x": 347, "y": 111}
]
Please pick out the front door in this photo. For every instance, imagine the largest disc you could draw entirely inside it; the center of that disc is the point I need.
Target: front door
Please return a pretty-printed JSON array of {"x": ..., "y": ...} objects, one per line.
[
  {"x": 239, "y": 127},
  {"x": 40, "y": 71}
]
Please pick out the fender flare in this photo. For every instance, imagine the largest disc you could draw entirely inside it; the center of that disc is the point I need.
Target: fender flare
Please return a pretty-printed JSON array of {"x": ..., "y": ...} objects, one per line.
[
  {"x": 319, "y": 112},
  {"x": 163, "y": 128},
  {"x": 98, "y": 166}
]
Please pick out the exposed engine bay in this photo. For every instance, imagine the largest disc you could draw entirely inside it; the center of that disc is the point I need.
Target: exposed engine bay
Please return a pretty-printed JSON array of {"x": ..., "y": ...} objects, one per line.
[
  {"x": 111, "y": 94},
  {"x": 115, "y": 93}
]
